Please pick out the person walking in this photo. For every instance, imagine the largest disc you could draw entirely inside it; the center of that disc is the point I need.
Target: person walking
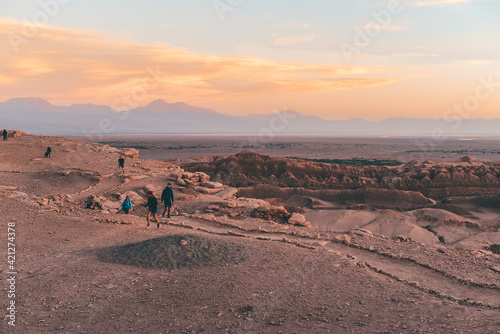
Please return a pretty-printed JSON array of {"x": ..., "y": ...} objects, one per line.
[
  {"x": 5, "y": 135},
  {"x": 152, "y": 205},
  {"x": 167, "y": 197},
  {"x": 121, "y": 164},
  {"x": 127, "y": 205},
  {"x": 48, "y": 152}
]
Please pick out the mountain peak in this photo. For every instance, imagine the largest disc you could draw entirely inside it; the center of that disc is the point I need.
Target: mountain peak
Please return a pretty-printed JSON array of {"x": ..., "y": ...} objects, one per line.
[
  {"x": 162, "y": 105},
  {"x": 29, "y": 102},
  {"x": 159, "y": 104}
]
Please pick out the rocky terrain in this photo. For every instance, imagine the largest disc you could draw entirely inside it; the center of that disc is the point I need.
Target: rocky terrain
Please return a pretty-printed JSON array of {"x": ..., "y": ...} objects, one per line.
[
  {"x": 256, "y": 244},
  {"x": 467, "y": 177}
]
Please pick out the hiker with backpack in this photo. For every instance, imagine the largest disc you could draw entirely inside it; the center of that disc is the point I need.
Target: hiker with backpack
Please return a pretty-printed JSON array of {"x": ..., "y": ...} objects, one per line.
[
  {"x": 167, "y": 197},
  {"x": 152, "y": 205}
]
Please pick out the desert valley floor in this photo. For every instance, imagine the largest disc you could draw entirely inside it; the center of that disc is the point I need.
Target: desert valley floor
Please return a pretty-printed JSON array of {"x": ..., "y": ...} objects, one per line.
[{"x": 361, "y": 250}]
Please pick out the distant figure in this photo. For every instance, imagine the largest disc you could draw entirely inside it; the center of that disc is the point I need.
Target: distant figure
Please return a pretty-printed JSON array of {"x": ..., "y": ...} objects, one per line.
[
  {"x": 121, "y": 164},
  {"x": 4, "y": 135},
  {"x": 167, "y": 196},
  {"x": 152, "y": 205},
  {"x": 127, "y": 205},
  {"x": 47, "y": 153}
]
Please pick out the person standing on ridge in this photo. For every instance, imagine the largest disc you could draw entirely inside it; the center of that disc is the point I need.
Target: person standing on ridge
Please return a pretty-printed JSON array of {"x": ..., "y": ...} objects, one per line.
[
  {"x": 47, "y": 153},
  {"x": 152, "y": 205},
  {"x": 167, "y": 196},
  {"x": 121, "y": 164},
  {"x": 4, "y": 135}
]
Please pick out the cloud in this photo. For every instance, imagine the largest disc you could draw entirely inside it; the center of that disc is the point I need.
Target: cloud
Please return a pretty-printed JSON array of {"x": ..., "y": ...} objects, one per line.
[{"x": 74, "y": 66}]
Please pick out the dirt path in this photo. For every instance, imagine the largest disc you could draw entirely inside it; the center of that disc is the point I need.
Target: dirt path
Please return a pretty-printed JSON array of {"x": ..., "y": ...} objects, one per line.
[{"x": 422, "y": 277}]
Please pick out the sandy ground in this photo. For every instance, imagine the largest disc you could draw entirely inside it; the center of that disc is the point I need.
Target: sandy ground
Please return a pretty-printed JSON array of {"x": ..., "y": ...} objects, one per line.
[{"x": 80, "y": 275}]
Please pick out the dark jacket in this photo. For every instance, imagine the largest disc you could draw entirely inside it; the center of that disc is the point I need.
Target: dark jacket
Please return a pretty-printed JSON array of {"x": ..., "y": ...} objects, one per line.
[
  {"x": 167, "y": 195},
  {"x": 152, "y": 203}
]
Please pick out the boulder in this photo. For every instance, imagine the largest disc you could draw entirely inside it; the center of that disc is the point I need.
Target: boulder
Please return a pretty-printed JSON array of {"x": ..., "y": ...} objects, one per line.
[
  {"x": 274, "y": 212},
  {"x": 134, "y": 197},
  {"x": 298, "y": 219},
  {"x": 191, "y": 181},
  {"x": 15, "y": 133},
  {"x": 344, "y": 238},
  {"x": 130, "y": 153},
  {"x": 209, "y": 191},
  {"x": 112, "y": 206},
  {"x": 252, "y": 203},
  {"x": 212, "y": 185},
  {"x": 17, "y": 194},
  {"x": 188, "y": 175},
  {"x": 232, "y": 204},
  {"x": 7, "y": 188},
  {"x": 93, "y": 203},
  {"x": 186, "y": 197},
  {"x": 203, "y": 177},
  {"x": 181, "y": 182},
  {"x": 362, "y": 232},
  {"x": 227, "y": 193},
  {"x": 106, "y": 148},
  {"x": 151, "y": 187},
  {"x": 42, "y": 201}
]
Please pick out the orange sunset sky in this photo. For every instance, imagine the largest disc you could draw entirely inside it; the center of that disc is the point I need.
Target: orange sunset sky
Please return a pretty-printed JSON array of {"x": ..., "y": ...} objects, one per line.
[{"x": 420, "y": 60}]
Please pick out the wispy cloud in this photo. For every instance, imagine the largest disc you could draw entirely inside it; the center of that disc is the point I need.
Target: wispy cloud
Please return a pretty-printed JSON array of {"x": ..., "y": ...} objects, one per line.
[{"x": 69, "y": 66}]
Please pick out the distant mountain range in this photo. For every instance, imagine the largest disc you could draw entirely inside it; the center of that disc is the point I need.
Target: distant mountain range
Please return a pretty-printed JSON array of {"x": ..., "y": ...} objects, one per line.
[{"x": 38, "y": 116}]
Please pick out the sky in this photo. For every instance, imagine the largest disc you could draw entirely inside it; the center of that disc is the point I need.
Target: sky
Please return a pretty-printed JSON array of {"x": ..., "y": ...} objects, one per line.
[{"x": 336, "y": 59}]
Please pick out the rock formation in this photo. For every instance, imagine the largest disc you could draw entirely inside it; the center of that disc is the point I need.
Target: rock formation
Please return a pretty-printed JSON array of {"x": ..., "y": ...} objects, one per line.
[{"x": 465, "y": 178}]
